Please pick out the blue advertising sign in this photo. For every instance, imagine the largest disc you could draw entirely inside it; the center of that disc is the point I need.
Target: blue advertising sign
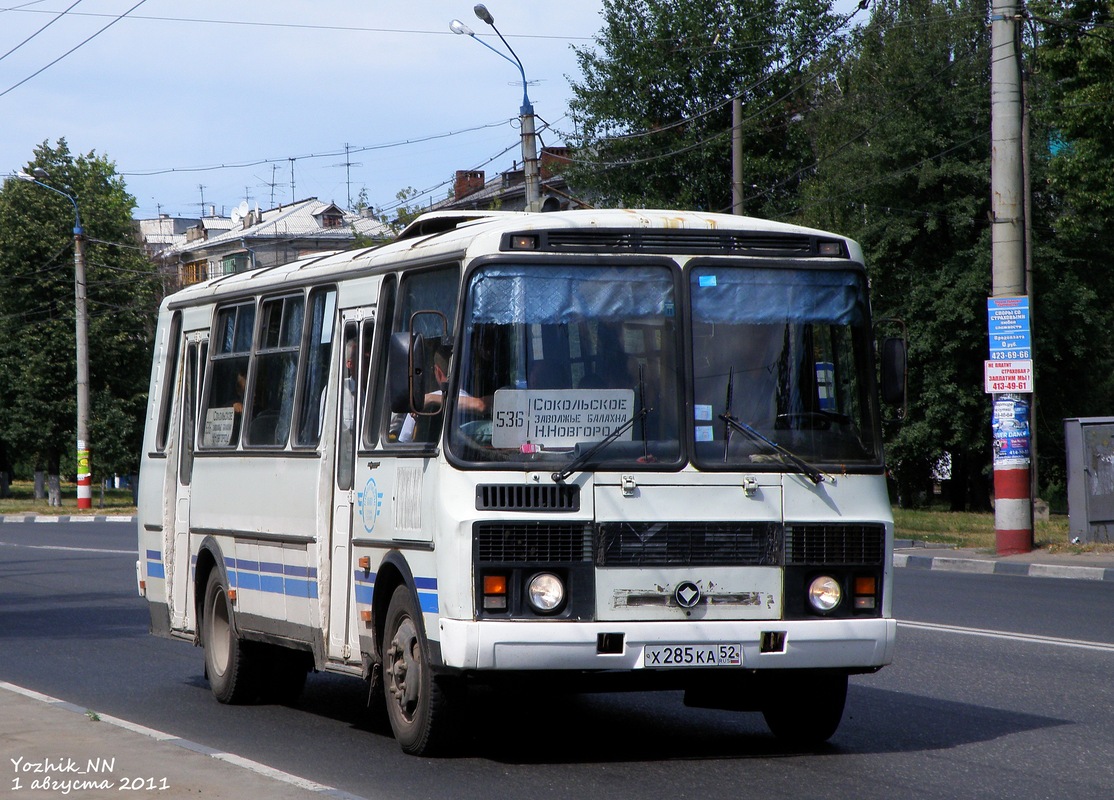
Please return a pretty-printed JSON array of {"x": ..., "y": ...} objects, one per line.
[
  {"x": 1011, "y": 431},
  {"x": 1008, "y": 324}
]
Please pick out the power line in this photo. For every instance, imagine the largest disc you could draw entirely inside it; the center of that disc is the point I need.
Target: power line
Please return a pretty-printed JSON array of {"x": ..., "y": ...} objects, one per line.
[
  {"x": 307, "y": 156},
  {"x": 40, "y": 30},
  {"x": 299, "y": 26},
  {"x": 80, "y": 44}
]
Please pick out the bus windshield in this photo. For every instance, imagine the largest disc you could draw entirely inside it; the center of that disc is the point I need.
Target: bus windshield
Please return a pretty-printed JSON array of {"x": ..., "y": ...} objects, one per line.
[
  {"x": 567, "y": 355},
  {"x": 785, "y": 355}
]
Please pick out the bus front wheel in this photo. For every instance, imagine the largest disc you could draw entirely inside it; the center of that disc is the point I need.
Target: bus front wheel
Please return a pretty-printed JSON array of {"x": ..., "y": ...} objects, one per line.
[
  {"x": 416, "y": 699},
  {"x": 804, "y": 708},
  {"x": 228, "y": 661}
]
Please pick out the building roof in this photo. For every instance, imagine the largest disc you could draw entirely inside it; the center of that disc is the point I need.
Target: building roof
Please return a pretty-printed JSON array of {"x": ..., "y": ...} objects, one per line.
[{"x": 301, "y": 220}]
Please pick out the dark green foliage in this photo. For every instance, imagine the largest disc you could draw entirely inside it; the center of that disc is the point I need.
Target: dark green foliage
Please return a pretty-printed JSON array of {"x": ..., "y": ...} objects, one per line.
[
  {"x": 37, "y": 321},
  {"x": 653, "y": 108},
  {"x": 901, "y": 142}
]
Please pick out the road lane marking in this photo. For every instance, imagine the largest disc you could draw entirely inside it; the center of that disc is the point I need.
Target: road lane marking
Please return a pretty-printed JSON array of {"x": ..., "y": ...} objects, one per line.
[
  {"x": 70, "y": 549},
  {"x": 186, "y": 744},
  {"x": 1031, "y": 638}
]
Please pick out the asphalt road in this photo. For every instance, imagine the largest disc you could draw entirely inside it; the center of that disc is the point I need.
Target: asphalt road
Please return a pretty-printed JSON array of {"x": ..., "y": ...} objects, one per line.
[{"x": 1002, "y": 687}]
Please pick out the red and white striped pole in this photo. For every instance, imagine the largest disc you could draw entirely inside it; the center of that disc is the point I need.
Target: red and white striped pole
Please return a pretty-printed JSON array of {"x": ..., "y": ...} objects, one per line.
[
  {"x": 1013, "y": 516},
  {"x": 1013, "y": 505}
]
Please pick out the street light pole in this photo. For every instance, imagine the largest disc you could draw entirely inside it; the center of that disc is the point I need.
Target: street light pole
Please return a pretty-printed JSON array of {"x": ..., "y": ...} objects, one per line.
[
  {"x": 84, "y": 472},
  {"x": 526, "y": 112}
]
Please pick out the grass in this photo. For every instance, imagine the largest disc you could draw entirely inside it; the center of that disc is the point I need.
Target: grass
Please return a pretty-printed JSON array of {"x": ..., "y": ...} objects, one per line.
[
  {"x": 976, "y": 530},
  {"x": 21, "y": 500}
]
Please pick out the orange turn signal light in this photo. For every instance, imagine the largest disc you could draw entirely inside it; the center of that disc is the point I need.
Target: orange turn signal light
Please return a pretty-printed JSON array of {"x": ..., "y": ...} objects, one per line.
[{"x": 495, "y": 584}]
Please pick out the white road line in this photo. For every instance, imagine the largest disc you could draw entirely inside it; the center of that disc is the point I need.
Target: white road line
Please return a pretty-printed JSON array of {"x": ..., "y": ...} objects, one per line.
[
  {"x": 1030, "y": 638},
  {"x": 166, "y": 738},
  {"x": 71, "y": 549}
]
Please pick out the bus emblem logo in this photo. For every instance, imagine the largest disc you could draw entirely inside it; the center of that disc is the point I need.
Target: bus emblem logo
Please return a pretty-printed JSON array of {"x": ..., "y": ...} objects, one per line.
[
  {"x": 687, "y": 594},
  {"x": 370, "y": 502}
]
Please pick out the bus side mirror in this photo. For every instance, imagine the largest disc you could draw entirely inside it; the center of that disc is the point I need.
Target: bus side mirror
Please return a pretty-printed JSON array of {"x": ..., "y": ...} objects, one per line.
[
  {"x": 406, "y": 372},
  {"x": 893, "y": 371}
]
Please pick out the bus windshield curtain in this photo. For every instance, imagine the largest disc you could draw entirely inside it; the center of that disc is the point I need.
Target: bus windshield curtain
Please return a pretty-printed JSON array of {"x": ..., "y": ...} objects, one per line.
[
  {"x": 770, "y": 296},
  {"x": 556, "y": 295}
]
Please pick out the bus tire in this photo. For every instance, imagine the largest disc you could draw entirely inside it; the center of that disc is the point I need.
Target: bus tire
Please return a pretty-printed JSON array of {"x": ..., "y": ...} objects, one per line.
[
  {"x": 416, "y": 700},
  {"x": 804, "y": 708},
  {"x": 229, "y": 663}
]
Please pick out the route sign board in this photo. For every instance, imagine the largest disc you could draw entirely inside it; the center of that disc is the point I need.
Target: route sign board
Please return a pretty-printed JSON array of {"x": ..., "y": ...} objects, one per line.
[{"x": 1008, "y": 325}]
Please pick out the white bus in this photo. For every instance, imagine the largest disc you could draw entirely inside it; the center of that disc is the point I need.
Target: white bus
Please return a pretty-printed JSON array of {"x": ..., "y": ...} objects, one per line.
[{"x": 608, "y": 449}]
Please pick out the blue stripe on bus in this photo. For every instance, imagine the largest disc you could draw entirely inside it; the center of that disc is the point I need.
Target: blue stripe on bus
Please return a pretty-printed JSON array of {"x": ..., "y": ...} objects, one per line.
[
  {"x": 427, "y": 600},
  {"x": 272, "y": 577},
  {"x": 155, "y": 567}
]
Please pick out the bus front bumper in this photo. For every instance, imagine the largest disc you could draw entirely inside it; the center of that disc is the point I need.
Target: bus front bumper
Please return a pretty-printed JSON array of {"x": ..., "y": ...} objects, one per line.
[{"x": 852, "y": 644}]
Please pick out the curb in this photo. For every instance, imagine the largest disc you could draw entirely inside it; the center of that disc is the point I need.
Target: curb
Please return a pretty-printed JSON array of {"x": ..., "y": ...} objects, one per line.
[
  {"x": 47, "y": 519},
  {"x": 977, "y": 566}
]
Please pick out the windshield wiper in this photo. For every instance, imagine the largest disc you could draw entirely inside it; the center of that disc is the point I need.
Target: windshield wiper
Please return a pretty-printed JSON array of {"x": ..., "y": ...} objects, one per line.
[
  {"x": 813, "y": 474},
  {"x": 586, "y": 456}
]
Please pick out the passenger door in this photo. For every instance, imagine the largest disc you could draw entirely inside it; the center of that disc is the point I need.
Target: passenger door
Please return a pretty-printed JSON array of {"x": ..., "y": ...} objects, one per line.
[
  {"x": 356, "y": 338},
  {"x": 178, "y": 572}
]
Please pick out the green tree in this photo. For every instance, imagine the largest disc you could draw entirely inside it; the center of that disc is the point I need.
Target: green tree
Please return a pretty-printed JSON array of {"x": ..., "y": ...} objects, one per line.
[
  {"x": 1071, "y": 61},
  {"x": 37, "y": 357},
  {"x": 901, "y": 146},
  {"x": 406, "y": 212},
  {"x": 653, "y": 107}
]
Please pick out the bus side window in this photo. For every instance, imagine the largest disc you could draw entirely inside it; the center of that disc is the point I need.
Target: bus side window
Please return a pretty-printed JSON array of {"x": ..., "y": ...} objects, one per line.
[
  {"x": 228, "y": 378},
  {"x": 376, "y": 385},
  {"x": 431, "y": 290},
  {"x": 189, "y": 416},
  {"x": 276, "y": 364},
  {"x": 315, "y": 366},
  {"x": 169, "y": 375}
]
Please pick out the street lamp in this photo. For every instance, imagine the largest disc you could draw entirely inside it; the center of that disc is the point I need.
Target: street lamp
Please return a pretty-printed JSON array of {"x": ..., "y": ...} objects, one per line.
[
  {"x": 84, "y": 475},
  {"x": 526, "y": 113}
]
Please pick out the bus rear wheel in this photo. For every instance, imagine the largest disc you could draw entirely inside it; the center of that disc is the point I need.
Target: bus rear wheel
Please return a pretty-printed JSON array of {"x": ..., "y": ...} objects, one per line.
[
  {"x": 229, "y": 662},
  {"x": 417, "y": 701}
]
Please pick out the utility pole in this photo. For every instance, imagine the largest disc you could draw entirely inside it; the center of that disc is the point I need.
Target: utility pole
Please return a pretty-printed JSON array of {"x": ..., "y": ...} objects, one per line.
[
  {"x": 737, "y": 155},
  {"x": 1013, "y": 507},
  {"x": 81, "y": 337},
  {"x": 84, "y": 468},
  {"x": 525, "y": 113}
]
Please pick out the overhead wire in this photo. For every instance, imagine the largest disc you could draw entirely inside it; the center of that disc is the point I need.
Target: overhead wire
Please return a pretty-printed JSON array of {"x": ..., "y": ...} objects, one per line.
[
  {"x": 77, "y": 46},
  {"x": 40, "y": 30}
]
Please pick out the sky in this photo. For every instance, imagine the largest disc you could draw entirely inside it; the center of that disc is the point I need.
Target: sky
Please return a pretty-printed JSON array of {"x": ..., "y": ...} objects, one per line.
[{"x": 220, "y": 102}]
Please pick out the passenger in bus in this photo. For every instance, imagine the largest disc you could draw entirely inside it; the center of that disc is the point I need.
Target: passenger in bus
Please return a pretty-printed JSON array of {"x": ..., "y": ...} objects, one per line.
[
  {"x": 238, "y": 407},
  {"x": 434, "y": 400}
]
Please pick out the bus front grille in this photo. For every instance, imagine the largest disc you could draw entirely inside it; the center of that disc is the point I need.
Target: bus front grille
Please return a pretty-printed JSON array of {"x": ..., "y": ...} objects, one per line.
[
  {"x": 557, "y": 497},
  {"x": 532, "y": 542},
  {"x": 660, "y": 544},
  {"x": 824, "y": 544}
]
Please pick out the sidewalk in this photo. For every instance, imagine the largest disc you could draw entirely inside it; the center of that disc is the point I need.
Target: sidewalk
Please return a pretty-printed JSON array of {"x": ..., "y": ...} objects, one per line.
[
  {"x": 1036, "y": 564},
  {"x": 49, "y": 748}
]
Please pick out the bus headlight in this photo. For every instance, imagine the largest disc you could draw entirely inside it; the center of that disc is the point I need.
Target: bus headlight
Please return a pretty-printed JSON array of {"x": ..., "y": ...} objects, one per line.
[
  {"x": 824, "y": 593},
  {"x": 546, "y": 593}
]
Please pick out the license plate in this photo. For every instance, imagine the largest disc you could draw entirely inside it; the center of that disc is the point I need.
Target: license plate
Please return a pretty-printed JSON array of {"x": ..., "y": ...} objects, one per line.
[{"x": 718, "y": 654}]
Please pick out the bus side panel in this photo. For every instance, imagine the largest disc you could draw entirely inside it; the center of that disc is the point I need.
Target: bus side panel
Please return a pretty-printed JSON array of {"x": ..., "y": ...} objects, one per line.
[{"x": 274, "y": 516}]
